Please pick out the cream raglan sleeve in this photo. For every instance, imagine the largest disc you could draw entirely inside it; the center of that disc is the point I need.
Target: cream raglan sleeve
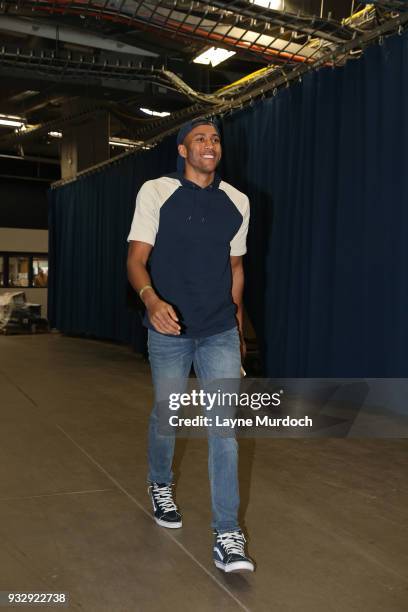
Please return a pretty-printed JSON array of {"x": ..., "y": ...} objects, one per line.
[
  {"x": 145, "y": 222},
  {"x": 238, "y": 243}
]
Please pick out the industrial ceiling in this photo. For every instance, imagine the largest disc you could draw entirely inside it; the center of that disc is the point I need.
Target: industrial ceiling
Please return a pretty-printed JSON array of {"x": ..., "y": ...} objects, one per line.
[{"x": 65, "y": 60}]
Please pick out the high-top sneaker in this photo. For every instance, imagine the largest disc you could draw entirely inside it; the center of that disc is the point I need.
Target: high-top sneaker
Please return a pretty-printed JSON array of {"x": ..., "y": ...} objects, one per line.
[
  {"x": 229, "y": 552},
  {"x": 165, "y": 510}
]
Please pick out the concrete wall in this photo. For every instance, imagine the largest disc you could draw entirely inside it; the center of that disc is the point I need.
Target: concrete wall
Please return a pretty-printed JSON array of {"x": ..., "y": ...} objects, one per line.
[
  {"x": 23, "y": 240},
  {"x": 26, "y": 241}
]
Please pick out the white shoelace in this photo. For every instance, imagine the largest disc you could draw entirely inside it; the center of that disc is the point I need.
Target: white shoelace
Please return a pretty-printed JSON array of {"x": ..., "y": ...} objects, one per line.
[
  {"x": 164, "y": 498},
  {"x": 233, "y": 542}
]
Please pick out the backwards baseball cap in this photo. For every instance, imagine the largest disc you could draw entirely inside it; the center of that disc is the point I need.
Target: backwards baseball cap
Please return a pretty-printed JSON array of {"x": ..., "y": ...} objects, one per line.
[{"x": 185, "y": 130}]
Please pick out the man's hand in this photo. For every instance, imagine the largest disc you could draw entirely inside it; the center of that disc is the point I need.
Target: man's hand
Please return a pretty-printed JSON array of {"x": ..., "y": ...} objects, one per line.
[{"x": 162, "y": 316}]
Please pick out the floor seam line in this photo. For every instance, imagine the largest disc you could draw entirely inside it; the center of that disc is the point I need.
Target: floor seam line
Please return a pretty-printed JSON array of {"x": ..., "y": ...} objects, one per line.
[
  {"x": 143, "y": 509},
  {"x": 12, "y": 382},
  {"x": 60, "y": 493}
]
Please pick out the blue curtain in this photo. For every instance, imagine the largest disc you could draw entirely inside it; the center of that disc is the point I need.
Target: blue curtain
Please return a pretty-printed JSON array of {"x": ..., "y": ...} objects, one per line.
[
  {"x": 324, "y": 164},
  {"x": 89, "y": 221}
]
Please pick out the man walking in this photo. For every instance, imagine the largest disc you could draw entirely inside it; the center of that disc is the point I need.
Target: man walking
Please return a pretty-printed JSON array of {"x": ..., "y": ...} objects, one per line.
[{"x": 193, "y": 227}]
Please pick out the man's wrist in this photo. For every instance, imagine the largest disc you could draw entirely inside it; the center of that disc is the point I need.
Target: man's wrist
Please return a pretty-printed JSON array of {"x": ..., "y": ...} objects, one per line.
[
  {"x": 149, "y": 297},
  {"x": 143, "y": 289}
]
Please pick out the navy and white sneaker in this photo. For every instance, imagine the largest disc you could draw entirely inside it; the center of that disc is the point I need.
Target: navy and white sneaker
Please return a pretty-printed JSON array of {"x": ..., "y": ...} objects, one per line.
[
  {"x": 166, "y": 513},
  {"x": 229, "y": 552}
]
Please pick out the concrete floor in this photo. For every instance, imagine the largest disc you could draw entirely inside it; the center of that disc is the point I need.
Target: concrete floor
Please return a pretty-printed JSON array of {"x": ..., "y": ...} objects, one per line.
[{"x": 326, "y": 519}]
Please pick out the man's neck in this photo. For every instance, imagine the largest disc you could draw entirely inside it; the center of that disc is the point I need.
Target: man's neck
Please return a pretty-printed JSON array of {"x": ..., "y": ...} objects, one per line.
[{"x": 199, "y": 178}]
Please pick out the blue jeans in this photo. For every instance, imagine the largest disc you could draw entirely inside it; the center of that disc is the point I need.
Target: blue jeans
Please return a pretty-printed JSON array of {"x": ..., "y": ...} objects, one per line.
[{"x": 214, "y": 357}]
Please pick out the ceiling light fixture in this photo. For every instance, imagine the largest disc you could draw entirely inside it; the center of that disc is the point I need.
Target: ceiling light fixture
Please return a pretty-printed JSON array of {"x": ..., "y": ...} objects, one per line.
[
  {"x": 55, "y": 134},
  {"x": 155, "y": 113},
  {"x": 123, "y": 142},
  {"x": 277, "y": 5},
  {"x": 11, "y": 120},
  {"x": 213, "y": 56}
]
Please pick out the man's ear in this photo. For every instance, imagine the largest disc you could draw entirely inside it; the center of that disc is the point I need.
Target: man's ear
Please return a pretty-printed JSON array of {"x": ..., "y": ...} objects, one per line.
[{"x": 182, "y": 150}]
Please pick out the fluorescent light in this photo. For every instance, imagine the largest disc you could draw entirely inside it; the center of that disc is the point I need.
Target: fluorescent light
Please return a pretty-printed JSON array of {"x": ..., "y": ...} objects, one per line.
[
  {"x": 11, "y": 120},
  {"x": 123, "y": 142},
  {"x": 213, "y": 56},
  {"x": 10, "y": 123},
  {"x": 155, "y": 113},
  {"x": 16, "y": 117},
  {"x": 24, "y": 95},
  {"x": 277, "y": 5},
  {"x": 113, "y": 143},
  {"x": 55, "y": 134}
]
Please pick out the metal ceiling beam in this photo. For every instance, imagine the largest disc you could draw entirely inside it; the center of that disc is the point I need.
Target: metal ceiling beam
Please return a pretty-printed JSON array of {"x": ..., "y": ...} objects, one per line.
[
  {"x": 32, "y": 27},
  {"x": 27, "y": 71},
  {"x": 27, "y": 178},
  {"x": 31, "y": 158}
]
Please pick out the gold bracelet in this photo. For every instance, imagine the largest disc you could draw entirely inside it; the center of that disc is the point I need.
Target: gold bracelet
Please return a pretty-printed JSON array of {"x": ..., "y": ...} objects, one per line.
[{"x": 144, "y": 289}]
